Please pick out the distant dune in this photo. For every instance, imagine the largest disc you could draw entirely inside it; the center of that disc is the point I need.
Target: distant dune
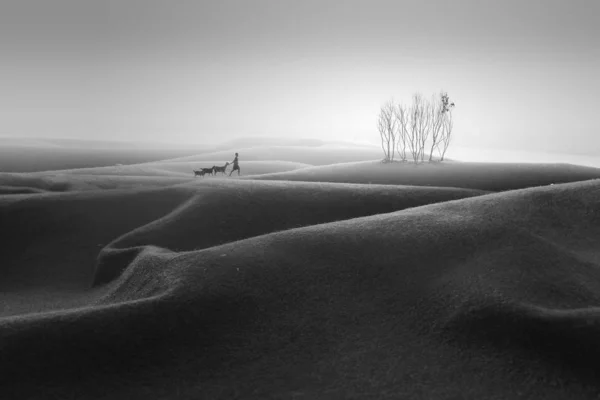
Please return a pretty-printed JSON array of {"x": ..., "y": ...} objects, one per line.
[
  {"x": 32, "y": 155},
  {"x": 79, "y": 144},
  {"x": 484, "y": 176},
  {"x": 62, "y": 182},
  {"x": 185, "y": 168},
  {"x": 313, "y": 155},
  {"x": 262, "y": 141},
  {"x": 256, "y": 141},
  {"x": 246, "y": 289},
  {"x": 137, "y": 176}
]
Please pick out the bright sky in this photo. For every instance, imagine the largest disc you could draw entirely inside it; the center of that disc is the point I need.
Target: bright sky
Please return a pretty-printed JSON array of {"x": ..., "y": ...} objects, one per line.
[{"x": 523, "y": 74}]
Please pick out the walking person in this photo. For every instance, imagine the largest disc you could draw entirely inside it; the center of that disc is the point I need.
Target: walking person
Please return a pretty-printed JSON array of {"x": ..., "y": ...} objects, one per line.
[{"x": 235, "y": 165}]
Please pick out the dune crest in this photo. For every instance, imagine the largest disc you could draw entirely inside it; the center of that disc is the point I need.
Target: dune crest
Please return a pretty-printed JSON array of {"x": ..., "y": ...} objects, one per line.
[
  {"x": 472, "y": 175},
  {"x": 228, "y": 211}
]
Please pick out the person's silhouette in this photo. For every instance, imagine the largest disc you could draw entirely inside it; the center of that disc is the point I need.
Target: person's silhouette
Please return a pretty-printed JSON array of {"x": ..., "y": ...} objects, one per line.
[{"x": 235, "y": 165}]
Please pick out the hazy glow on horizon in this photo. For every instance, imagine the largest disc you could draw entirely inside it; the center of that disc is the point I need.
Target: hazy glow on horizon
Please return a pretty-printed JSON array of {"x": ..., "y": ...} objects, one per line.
[{"x": 522, "y": 73}]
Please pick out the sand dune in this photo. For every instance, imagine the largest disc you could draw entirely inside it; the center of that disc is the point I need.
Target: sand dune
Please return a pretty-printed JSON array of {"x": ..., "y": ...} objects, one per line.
[
  {"x": 58, "y": 246},
  {"x": 136, "y": 176},
  {"x": 484, "y": 176},
  {"x": 51, "y": 183},
  {"x": 313, "y": 155},
  {"x": 19, "y": 190},
  {"x": 33, "y": 155},
  {"x": 214, "y": 211},
  {"x": 185, "y": 168},
  {"x": 43, "y": 154},
  {"x": 254, "y": 289},
  {"x": 257, "y": 141},
  {"x": 14, "y": 183},
  {"x": 227, "y": 211}
]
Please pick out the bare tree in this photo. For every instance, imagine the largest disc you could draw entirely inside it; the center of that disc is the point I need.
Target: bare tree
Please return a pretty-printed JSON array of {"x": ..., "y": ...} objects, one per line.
[
  {"x": 413, "y": 133},
  {"x": 402, "y": 123},
  {"x": 413, "y": 127},
  {"x": 419, "y": 127},
  {"x": 437, "y": 110},
  {"x": 383, "y": 133},
  {"x": 447, "y": 125},
  {"x": 386, "y": 123}
]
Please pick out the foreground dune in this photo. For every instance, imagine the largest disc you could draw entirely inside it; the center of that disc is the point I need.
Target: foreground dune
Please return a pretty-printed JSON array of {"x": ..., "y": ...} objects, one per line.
[
  {"x": 474, "y": 175},
  {"x": 246, "y": 289},
  {"x": 202, "y": 214},
  {"x": 19, "y": 190}
]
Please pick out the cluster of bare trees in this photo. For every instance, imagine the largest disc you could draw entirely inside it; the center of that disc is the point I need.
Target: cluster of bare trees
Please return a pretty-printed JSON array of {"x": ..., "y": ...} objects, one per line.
[{"x": 424, "y": 126}]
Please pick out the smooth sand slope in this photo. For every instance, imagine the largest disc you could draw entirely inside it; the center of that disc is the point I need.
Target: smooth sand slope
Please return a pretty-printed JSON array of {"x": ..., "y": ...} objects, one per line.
[
  {"x": 483, "y": 176},
  {"x": 4, "y": 190},
  {"x": 257, "y": 141},
  {"x": 256, "y": 290},
  {"x": 136, "y": 176},
  {"x": 474, "y": 175},
  {"x": 31, "y": 155},
  {"x": 185, "y": 168},
  {"x": 314, "y": 155},
  {"x": 82, "y": 225},
  {"x": 40, "y": 182}
]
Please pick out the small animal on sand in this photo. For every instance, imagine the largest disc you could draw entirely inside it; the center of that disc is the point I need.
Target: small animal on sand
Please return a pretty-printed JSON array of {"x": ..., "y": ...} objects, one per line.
[
  {"x": 203, "y": 171},
  {"x": 220, "y": 169}
]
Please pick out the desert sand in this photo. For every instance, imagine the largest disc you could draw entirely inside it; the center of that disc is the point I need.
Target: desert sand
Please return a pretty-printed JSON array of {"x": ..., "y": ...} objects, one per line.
[{"x": 300, "y": 279}]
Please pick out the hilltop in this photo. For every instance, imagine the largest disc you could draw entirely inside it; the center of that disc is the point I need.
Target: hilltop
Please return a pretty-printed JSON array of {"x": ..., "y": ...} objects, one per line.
[{"x": 472, "y": 175}]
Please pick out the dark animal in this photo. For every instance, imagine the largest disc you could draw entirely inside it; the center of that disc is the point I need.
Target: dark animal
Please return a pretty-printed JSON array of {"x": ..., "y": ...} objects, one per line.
[
  {"x": 203, "y": 171},
  {"x": 220, "y": 169}
]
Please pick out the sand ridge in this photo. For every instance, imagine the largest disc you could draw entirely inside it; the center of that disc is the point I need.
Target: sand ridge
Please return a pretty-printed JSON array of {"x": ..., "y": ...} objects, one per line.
[
  {"x": 473, "y": 175},
  {"x": 358, "y": 306}
]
